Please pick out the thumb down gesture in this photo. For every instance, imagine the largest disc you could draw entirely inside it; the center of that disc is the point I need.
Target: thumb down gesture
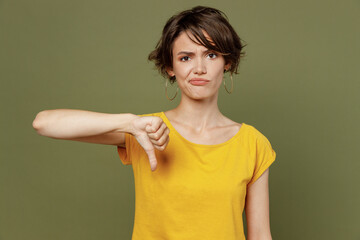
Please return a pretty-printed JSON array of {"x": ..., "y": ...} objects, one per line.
[{"x": 151, "y": 132}]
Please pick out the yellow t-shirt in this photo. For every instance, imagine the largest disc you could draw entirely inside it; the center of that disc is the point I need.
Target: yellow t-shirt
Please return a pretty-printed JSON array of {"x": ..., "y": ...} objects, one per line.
[{"x": 197, "y": 191}]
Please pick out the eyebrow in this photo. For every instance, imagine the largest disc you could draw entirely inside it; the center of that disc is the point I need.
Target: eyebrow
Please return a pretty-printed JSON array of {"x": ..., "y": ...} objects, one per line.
[{"x": 192, "y": 53}]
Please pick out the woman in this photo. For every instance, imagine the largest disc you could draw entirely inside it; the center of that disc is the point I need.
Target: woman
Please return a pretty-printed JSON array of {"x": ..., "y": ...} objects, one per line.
[{"x": 208, "y": 167}]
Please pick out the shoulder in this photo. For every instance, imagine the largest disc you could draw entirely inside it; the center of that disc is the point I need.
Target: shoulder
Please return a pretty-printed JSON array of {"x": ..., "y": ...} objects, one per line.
[
  {"x": 253, "y": 130},
  {"x": 250, "y": 129},
  {"x": 256, "y": 134},
  {"x": 259, "y": 145}
]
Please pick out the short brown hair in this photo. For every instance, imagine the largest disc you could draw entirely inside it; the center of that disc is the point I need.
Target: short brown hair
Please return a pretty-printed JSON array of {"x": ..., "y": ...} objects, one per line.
[{"x": 199, "y": 18}]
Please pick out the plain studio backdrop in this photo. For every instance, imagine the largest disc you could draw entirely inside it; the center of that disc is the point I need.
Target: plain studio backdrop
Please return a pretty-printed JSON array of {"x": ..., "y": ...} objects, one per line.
[{"x": 298, "y": 84}]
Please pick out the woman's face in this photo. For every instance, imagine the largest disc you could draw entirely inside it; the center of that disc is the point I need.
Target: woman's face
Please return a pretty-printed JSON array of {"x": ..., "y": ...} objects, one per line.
[{"x": 194, "y": 61}]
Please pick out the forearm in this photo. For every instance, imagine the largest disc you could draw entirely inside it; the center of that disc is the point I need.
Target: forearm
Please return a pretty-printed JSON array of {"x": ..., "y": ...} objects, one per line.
[{"x": 73, "y": 123}]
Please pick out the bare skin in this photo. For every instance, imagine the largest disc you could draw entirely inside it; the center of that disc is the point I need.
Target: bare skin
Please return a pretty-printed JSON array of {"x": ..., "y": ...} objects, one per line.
[
  {"x": 198, "y": 109},
  {"x": 218, "y": 134},
  {"x": 198, "y": 119}
]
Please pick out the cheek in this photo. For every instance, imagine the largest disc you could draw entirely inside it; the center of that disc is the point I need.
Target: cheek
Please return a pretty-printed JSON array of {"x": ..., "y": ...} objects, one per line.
[
  {"x": 182, "y": 70},
  {"x": 218, "y": 70}
]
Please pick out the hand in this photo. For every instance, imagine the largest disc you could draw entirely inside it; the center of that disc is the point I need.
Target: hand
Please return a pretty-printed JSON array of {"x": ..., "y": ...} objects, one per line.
[{"x": 151, "y": 132}]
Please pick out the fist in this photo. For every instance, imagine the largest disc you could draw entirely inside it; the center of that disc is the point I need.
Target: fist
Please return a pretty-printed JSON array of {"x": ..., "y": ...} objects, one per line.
[{"x": 151, "y": 132}]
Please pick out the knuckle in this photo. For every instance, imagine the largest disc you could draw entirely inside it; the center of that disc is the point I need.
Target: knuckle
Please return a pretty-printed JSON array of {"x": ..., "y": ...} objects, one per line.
[
  {"x": 158, "y": 120},
  {"x": 156, "y": 136},
  {"x": 161, "y": 142}
]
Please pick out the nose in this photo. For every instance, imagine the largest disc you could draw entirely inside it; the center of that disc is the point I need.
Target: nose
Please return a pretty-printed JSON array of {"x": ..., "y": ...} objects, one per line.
[{"x": 199, "y": 66}]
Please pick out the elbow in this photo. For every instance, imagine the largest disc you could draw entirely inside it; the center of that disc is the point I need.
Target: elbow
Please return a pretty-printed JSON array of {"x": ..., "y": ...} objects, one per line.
[
  {"x": 259, "y": 234},
  {"x": 259, "y": 238},
  {"x": 38, "y": 123},
  {"x": 265, "y": 236}
]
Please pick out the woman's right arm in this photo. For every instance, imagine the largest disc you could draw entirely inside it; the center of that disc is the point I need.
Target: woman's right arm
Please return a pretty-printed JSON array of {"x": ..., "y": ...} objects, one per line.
[{"x": 85, "y": 126}]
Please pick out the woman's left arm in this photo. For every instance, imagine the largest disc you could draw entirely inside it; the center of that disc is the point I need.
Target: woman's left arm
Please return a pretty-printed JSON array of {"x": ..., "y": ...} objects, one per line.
[{"x": 257, "y": 209}]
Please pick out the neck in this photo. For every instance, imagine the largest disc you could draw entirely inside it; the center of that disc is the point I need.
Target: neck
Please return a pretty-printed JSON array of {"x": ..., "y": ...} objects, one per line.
[{"x": 201, "y": 113}]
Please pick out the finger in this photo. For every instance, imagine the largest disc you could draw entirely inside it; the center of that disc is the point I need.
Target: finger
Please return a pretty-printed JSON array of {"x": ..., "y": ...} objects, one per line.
[
  {"x": 161, "y": 141},
  {"x": 162, "y": 147},
  {"x": 167, "y": 142},
  {"x": 157, "y": 134},
  {"x": 160, "y": 132},
  {"x": 154, "y": 125}
]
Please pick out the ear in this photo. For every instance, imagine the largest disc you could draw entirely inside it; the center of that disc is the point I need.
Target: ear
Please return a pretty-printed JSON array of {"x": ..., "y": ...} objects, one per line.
[
  {"x": 170, "y": 71},
  {"x": 227, "y": 66}
]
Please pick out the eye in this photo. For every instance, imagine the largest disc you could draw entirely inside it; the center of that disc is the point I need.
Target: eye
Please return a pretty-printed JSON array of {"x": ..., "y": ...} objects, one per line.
[
  {"x": 212, "y": 54},
  {"x": 181, "y": 59}
]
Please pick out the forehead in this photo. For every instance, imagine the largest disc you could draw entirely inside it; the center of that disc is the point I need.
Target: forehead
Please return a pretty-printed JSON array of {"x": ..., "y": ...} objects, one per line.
[{"x": 183, "y": 41}]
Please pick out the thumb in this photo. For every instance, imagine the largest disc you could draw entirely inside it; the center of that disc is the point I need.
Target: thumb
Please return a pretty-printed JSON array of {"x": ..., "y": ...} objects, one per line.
[
  {"x": 150, "y": 151},
  {"x": 152, "y": 158}
]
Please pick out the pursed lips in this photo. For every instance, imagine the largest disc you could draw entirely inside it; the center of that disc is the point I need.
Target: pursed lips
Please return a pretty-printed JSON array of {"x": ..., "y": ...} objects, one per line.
[{"x": 199, "y": 79}]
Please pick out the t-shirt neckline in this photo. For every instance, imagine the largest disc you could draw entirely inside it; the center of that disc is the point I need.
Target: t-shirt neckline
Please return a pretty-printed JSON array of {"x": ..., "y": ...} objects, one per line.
[{"x": 202, "y": 145}]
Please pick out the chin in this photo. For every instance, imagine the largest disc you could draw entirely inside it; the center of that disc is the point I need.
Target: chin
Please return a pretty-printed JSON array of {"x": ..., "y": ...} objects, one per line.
[{"x": 202, "y": 96}]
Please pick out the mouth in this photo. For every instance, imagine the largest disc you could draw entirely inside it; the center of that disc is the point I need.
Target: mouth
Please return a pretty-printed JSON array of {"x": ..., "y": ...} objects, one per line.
[{"x": 198, "y": 81}]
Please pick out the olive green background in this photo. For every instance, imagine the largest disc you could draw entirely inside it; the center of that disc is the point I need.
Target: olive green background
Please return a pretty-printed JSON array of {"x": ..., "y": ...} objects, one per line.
[{"x": 299, "y": 85}]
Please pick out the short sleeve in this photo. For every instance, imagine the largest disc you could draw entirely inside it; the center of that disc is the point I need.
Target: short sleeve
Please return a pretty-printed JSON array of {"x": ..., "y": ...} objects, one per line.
[
  {"x": 125, "y": 153},
  {"x": 131, "y": 145},
  {"x": 264, "y": 156}
]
